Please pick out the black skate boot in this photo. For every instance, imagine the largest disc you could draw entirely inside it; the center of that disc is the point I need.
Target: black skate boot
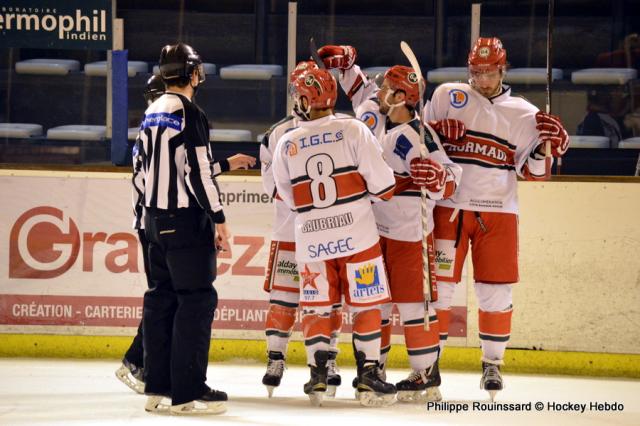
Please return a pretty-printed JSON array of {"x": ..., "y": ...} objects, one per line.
[
  {"x": 421, "y": 386},
  {"x": 275, "y": 369},
  {"x": 333, "y": 378},
  {"x": 372, "y": 391},
  {"x": 212, "y": 402},
  {"x": 382, "y": 374},
  {"x": 131, "y": 375},
  {"x": 491, "y": 380},
  {"x": 317, "y": 385}
]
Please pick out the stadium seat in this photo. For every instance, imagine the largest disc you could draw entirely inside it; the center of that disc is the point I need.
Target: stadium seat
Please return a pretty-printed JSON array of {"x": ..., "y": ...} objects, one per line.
[
  {"x": 77, "y": 132},
  {"x": 259, "y": 137},
  {"x": 371, "y": 72},
  {"x": 630, "y": 143},
  {"x": 604, "y": 76},
  {"x": 132, "y": 133},
  {"x": 19, "y": 130},
  {"x": 448, "y": 75},
  {"x": 47, "y": 66},
  {"x": 531, "y": 75},
  {"x": 229, "y": 135},
  {"x": 250, "y": 72},
  {"x": 209, "y": 69},
  {"x": 588, "y": 142},
  {"x": 99, "y": 69}
]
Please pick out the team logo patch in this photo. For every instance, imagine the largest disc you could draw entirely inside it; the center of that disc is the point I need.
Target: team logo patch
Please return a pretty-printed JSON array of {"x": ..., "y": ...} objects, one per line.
[
  {"x": 484, "y": 52},
  {"x": 370, "y": 280},
  {"x": 458, "y": 98},
  {"x": 403, "y": 146},
  {"x": 413, "y": 78},
  {"x": 291, "y": 148},
  {"x": 370, "y": 119}
]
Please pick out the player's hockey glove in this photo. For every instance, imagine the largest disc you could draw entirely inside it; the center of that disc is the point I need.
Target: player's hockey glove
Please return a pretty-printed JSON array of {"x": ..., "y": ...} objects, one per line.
[
  {"x": 449, "y": 128},
  {"x": 551, "y": 130},
  {"x": 428, "y": 173},
  {"x": 341, "y": 57}
]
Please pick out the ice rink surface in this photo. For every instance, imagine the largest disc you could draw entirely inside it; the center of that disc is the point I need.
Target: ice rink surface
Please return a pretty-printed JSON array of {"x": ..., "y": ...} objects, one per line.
[{"x": 81, "y": 392}]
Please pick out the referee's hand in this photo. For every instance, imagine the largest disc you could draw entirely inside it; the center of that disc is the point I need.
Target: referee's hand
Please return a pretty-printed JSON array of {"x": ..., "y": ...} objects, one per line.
[{"x": 222, "y": 237}]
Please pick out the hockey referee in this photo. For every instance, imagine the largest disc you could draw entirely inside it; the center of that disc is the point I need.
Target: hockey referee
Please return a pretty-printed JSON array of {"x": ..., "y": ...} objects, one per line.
[{"x": 181, "y": 200}]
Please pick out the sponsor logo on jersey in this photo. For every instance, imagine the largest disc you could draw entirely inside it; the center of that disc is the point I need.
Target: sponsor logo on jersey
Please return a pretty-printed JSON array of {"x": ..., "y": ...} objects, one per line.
[
  {"x": 341, "y": 246},
  {"x": 288, "y": 268},
  {"x": 458, "y": 98},
  {"x": 162, "y": 119},
  {"x": 367, "y": 280},
  {"x": 482, "y": 149},
  {"x": 309, "y": 287},
  {"x": 320, "y": 139},
  {"x": 324, "y": 223},
  {"x": 403, "y": 146},
  {"x": 370, "y": 119}
]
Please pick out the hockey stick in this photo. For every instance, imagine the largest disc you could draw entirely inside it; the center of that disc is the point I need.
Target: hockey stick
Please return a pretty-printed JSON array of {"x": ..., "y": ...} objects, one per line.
[
  {"x": 547, "y": 147},
  {"x": 314, "y": 54},
  {"x": 429, "y": 288}
]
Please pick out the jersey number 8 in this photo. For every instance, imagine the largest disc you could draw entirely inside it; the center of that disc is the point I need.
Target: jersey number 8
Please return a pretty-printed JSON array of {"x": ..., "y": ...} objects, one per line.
[{"x": 324, "y": 191}]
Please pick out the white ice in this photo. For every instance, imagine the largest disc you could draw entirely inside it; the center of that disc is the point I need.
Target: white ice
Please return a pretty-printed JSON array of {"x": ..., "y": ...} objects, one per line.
[{"x": 81, "y": 392}]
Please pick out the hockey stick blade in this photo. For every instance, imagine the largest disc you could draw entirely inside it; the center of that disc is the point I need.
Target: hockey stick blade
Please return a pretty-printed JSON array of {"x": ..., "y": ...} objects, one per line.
[
  {"x": 314, "y": 54},
  {"x": 412, "y": 58}
]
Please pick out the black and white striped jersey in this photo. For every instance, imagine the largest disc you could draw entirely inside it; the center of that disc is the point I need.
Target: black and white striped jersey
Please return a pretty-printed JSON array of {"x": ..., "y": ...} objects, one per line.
[{"x": 173, "y": 165}]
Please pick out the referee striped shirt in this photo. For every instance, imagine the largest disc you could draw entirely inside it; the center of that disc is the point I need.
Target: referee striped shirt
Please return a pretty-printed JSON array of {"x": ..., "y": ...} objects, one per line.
[{"x": 173, "y": 165}]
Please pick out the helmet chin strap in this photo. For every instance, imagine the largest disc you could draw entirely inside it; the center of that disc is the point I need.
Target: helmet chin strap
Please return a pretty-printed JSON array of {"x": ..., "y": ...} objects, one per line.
[
  {"x": 304, "y": 114},
  {"x": 392, "y": 106}
]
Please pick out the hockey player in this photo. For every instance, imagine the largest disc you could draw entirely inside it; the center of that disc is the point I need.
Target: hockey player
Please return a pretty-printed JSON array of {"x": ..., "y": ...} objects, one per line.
[
  {"x": 390, "y": 112},
  {"x": 495, "y": 138},
  {"x": 328, "y": 170},
  {"x": 282, "y": 280},
  {"x": 132, "y": 369}
]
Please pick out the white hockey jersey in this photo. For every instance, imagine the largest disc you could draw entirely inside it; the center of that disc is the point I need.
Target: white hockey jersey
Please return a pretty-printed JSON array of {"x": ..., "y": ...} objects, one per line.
[
  {"x": 499, "y": 143},
  {"x": 401, "y": 217},
  {"x": 283, "y": 216},
  {"x": 328, "y": 170}
]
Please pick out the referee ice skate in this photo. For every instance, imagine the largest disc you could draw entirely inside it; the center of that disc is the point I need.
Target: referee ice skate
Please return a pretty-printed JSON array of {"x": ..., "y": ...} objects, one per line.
[{"x": 181, "y": 201}]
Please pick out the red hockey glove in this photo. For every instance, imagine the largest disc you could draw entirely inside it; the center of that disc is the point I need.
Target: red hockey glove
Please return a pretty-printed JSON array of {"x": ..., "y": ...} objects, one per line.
[
  {"x": 428, "y": 173},
  {"x": 341, "y": 57},
  {"x": 551, "y": 130},
  {"x": 449, "y": 128}
]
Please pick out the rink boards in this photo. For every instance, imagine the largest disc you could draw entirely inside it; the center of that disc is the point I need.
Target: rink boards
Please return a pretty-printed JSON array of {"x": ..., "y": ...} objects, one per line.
[{"x": 70, "y": 264}]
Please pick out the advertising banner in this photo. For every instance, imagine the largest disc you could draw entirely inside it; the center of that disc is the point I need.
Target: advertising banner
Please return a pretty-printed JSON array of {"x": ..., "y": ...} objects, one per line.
[
  {"x": 71, "y": 263},
  {"x": 56, "y": 24}
]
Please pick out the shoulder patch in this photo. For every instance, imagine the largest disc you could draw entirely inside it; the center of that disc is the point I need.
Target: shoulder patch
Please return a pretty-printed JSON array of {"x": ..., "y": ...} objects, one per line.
[
  {"x": 458, "y": 98},
  {"x": 370, "y": 119}
]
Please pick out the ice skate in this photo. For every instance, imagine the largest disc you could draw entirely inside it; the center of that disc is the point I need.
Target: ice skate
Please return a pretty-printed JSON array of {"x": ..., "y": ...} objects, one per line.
[
  {"x": 372, "y": 391},
  {"x": 212, "y": 402},
  {"x": 317, "y": 385},
  {"x": 491, "y": 380},
  {"x": 157, "y": 403},
  {"x": 275, "y": 370},
  {"x": 333, "y": 378},
  {"x": 421, "y": 386},
  {"x": 131, "y": 375},
  {"x": 382, "y": 374}
]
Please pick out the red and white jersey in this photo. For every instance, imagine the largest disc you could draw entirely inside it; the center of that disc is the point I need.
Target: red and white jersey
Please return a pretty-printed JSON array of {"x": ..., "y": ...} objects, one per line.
[
  {"x": 362, "y": 93},
  {"x": 328, "y": 170},
  {"x": 283, "y": 217},
  {"x": 499, "y": 143},
  {"x": 401, "y": 217}
]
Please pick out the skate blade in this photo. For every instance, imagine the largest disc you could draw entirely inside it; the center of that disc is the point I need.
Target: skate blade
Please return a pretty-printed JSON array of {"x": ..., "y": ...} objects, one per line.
[
  {"x": 155, "y": 404},
  {"x": 372, "y": 399},
  {"x": 492, "y": 395},
  {"x": 431, "y": 394},
  {"x": 123, "y": 374},
  {"x": 197, "y": 408},
  {"x": 331, "y": 391},
  {"x": 316, "y": 398},
  {"x": 270, "y": 390}
]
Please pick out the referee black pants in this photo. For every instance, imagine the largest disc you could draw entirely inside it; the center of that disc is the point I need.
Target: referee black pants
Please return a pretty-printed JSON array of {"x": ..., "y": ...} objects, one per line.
[{"x": 179, "y": 305}]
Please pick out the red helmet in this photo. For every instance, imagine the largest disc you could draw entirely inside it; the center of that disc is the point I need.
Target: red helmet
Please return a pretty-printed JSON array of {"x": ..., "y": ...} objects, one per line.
[
  {"x": 487, "y": 55},
  {"x": 318, "y": 86},
  {"x": 405, "y": 79},
  {"x": 301, "y": 67}
]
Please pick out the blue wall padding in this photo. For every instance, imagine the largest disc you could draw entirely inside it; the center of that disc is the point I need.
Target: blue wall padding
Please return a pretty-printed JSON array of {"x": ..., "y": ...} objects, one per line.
[{"x": 119, "y": 152}]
